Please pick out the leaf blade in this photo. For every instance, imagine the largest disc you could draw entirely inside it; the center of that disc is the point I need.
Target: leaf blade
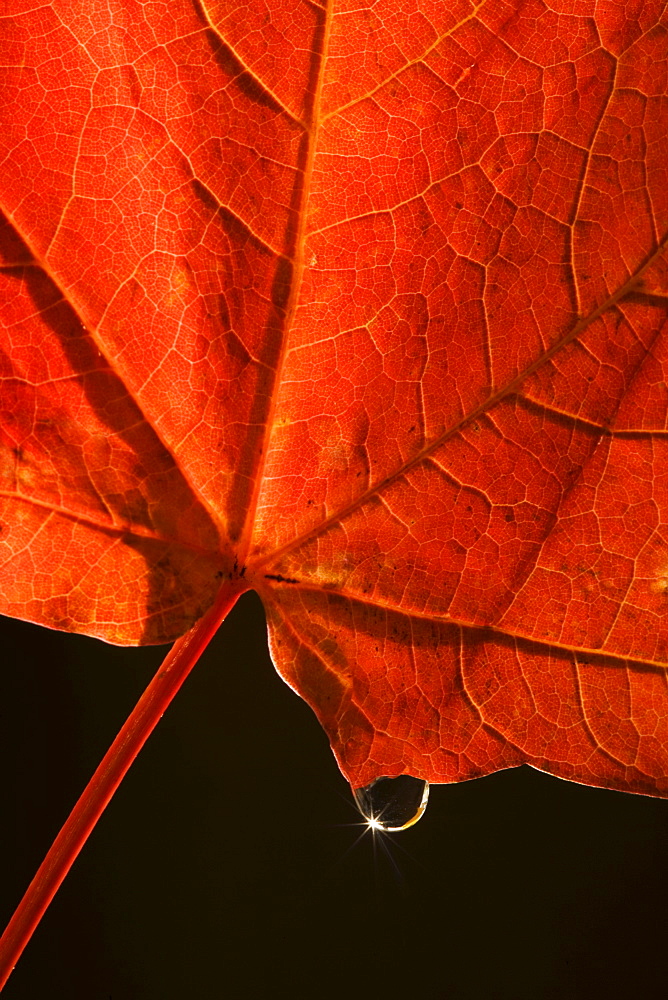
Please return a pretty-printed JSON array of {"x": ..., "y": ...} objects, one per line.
[{"x": 386, "y": 291}]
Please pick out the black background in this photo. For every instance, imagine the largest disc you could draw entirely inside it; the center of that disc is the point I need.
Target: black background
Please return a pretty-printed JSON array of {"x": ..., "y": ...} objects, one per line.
[{"x": 229, "y": 865}]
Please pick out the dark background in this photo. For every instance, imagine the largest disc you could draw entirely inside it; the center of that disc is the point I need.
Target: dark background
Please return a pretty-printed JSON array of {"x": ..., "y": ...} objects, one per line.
[{"x": 229, "y": 865}]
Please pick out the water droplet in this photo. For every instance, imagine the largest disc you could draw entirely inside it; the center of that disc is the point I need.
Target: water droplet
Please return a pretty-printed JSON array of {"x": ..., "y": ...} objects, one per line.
[{"x": 393, "y": 804}]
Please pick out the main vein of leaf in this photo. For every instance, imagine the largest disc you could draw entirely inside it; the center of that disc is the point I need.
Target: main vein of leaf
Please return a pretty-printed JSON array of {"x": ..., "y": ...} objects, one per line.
[
  {"x": 313, "y": 123},
  {"x": 40, "y": 262},
  {"x": 567, "y": 647},
  {"x": 113, "y": 530},
  {"x": 509, "y": 389}
]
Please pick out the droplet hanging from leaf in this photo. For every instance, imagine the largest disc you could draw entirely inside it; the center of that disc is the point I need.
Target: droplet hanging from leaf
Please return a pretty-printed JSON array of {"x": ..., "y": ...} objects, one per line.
[{"x": 393, "y": 804}]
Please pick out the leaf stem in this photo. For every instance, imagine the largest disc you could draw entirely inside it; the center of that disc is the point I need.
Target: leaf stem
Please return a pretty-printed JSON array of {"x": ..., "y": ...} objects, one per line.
[{"x": 139, "y": 725}]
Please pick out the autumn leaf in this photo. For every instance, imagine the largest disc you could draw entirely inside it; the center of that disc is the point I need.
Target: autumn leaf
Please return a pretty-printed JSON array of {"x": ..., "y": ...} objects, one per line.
[{"x": 365, "y": 310}]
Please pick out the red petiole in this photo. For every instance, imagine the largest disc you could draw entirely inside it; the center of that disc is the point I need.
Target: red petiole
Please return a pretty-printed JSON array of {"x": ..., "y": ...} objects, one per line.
[{"x": 141, "y": 722}]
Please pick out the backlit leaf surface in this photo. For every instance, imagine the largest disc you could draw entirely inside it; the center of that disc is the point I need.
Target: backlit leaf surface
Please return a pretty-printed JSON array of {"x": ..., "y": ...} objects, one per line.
[{"x": 363, "y": 307}]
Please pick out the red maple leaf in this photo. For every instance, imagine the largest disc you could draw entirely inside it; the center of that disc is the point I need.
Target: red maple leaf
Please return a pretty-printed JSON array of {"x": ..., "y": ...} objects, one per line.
[{"x": 363, "y": 310}]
